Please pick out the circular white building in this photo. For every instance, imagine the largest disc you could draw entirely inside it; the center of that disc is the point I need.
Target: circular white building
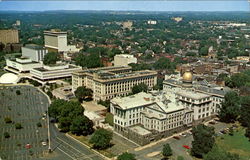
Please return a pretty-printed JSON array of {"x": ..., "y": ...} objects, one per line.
[{"x": 8, "y": 78}]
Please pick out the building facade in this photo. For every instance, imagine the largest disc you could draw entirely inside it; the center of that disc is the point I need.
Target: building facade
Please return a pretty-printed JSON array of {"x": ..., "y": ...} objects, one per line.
[
  {"x": 56, "y": 40},
  {"x": 58, "y": 71},
  {"x": 9, "y": 36},
  {"x": 109, "y": 82},
  {"x": 34, "y": 52},
  {"x": 146, "y": 117},
  {"x": 21, "y": 65}
]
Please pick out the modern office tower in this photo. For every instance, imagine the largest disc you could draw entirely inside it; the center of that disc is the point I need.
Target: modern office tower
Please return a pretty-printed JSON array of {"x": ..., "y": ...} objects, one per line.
[{"x": 55, "y": 40}]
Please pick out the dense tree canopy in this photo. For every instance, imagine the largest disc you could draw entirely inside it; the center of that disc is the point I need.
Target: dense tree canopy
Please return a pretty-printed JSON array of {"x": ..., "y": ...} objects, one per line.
[
  {"x": 219, "y": 154},
  {"x": 101, "y": 138},
  {"x": 245, "y": 111},
  {"x": 81, "y": 125},
  {"x": 203, "y": 140},
  {"x": 90, "y": 61},
  {"x": 164, "y": 63},
  {"x": 83, "y": 93},
  {"x": 69, "y": 115},
  {"x": 239, "y": 79},
  {"x": 166, "y": 151},
  {"x": 50, "y": 58},
  {"x": 230, "y": 107},
  {"x": 139, "y": 88}
]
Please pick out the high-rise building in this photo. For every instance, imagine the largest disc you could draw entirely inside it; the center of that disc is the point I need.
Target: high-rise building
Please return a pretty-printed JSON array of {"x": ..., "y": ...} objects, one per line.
[
  {"x": 56, "y": 40},
  {"x": 9, "y": 36}
]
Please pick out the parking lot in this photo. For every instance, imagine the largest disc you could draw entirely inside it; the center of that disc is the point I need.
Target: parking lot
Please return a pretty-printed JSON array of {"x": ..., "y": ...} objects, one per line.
[
  {"x": 176, "y": 145},
  {"x": 28, "y": 109}
]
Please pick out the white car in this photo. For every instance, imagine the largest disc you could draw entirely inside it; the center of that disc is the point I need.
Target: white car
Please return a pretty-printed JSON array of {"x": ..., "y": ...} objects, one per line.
[{"x": 44, "y": 143}]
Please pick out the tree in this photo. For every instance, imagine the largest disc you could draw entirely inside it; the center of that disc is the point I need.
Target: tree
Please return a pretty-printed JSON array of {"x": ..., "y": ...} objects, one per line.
[
  {"x": 90, "y": 61},
  {"x": 81, "y": 125},
  {"x": 18, "y": 125},
  {"x": 6, "y": 135},
  {"x": 7, "y": 120},
  {"x": 50, "y": 58},
  {"x": 230, "y": 107},
  {"x": 39, "y": 124},
  {"x": 247, "y": 133},
  {"x": 164, "y": 63},
  {"x": 166, "y": 151},
  {"x": 139, "y": 88},
  {"x": 49, "y": 93},
  {"x": 126, "y": 156},
  {"x": 203, "y": 51},
  {"x": 83, "y": 93},
  {"x": 238, "y": 80},
  {"x": 245, "y": 111},
  {"x": 218, "y": 154},
  {"x": 55, "y": 108},
  {"x": 101, "y": 138},
  {"x": 18, "y": 92},
  {"x": 203, "y": 140},
  {"x": 64, "y": 124},
  {"x": 65, "y": 112},
  {"x": 231, "y": 131}
]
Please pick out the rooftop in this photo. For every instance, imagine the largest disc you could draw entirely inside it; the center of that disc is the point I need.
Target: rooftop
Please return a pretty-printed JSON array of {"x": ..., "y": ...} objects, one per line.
[
  {"x": 34, "y": 46},
  {"x": 192, "y": 95},
  {"x": 44, "y": 69},
  {"x": 139, "y": 99}
]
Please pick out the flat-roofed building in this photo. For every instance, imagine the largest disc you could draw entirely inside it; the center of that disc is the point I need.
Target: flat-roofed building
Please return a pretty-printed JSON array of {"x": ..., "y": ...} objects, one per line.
[
  {"x": 53, "y": 72},
  {"x": 56, "y": 40},
  {"x": 34, "y": 52},
  {"x": 9, "y": 36},
  {"x": 200, "y": 103},
  {"x": 109, "y": 82},
  {"x": 21, "y": 64},
  {"x": 124, "y": 59}
]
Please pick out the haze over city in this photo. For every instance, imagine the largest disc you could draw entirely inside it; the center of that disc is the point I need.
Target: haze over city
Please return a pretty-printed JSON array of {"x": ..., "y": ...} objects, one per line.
[{"x": 197, "y": 5}]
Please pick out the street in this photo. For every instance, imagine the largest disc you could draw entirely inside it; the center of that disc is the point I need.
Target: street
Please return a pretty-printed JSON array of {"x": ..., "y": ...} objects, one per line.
[{"x": 154, "y": 152}]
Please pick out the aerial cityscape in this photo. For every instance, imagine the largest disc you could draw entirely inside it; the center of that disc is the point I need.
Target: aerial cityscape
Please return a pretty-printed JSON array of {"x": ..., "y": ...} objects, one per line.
[{"x": 124, "y": 80}]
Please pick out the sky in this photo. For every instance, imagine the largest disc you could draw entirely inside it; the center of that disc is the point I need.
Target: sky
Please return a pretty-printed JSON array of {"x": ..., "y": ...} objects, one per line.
[{"x": 128, "y": 5}]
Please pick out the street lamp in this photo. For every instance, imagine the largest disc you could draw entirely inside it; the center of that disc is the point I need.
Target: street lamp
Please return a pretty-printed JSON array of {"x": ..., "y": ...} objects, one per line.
[{"x": 50, "y": 150}]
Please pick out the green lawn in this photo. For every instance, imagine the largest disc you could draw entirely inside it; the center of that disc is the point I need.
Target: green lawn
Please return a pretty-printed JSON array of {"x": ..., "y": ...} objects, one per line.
[{"x": 237, "y": 143}]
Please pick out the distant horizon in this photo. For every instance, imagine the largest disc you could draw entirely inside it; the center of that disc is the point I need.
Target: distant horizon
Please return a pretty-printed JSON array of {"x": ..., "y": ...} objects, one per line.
[
  {"x": 123, "y": 6},
  {"x": 114, "y": 11}
]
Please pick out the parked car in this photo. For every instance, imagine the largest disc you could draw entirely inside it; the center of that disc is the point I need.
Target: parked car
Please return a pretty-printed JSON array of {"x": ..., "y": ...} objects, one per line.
[
  {"x": 44, "y": 143},
  {"x": 176, "y": 137},
  {"x": 184, "y": 134}
]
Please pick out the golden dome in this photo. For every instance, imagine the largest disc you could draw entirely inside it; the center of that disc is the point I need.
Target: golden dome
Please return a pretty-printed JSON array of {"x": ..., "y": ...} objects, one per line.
[{"x": 187, "y": 76}]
